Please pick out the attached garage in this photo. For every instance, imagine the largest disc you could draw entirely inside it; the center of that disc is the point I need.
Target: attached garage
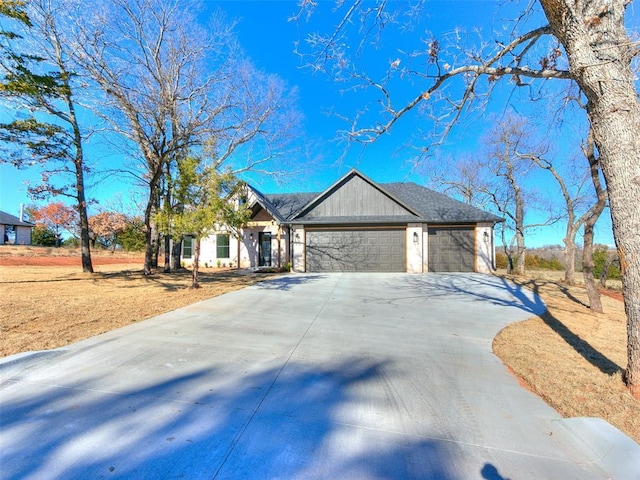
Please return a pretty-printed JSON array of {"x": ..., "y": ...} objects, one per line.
[
  {"x": 452, "y": 249},
  {"x": 358, "y": 225},
  {"x": 356, "y": 250}
]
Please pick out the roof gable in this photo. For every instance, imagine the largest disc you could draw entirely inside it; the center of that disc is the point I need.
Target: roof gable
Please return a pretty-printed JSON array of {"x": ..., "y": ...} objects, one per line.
[
  {"x": 258, "y": 202},
  {"x": 259, "y": 214},
  {"x": 355, "y": 196}
]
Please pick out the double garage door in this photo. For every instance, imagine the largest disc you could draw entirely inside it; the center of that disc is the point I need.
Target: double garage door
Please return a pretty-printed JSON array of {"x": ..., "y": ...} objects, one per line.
[
  {"x": 451, "y": 249},
  {"x": 356, "y": 250}
]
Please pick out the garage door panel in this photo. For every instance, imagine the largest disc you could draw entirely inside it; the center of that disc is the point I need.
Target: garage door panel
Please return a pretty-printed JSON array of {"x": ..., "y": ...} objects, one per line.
[
  {"x": 451, "y": 249},
  {"x": 361, "y": 250}
]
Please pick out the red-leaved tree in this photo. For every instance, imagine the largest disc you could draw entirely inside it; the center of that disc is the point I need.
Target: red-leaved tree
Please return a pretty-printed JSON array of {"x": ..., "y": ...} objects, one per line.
[{"x": 57, "y": 217}]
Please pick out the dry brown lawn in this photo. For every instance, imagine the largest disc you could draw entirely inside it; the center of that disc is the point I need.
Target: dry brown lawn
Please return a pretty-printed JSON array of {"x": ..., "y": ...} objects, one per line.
[
  {"x": 570, "y": 357},
  {"x": 48, "y": 306}
]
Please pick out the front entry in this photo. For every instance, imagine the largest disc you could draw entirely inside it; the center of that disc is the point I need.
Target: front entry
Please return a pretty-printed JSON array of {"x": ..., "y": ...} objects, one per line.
[{"x": 264, "y": 249}]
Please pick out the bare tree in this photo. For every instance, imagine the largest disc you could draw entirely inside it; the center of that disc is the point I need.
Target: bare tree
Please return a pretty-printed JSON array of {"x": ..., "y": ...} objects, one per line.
[
  {"x": 590, "y": 219},
  {"x": 508, "y": 194},
  {"x": 574, "y": 200},
  {"x": 463, "y": 178},
  {"x": 590, "y": 35},
  {"x": 496, "y": 180},
  {"x": 172, "y": 87}
]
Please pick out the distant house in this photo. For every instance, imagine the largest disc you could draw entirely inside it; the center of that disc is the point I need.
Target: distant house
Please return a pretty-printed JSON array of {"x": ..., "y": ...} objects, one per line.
[
  {"x": 357, "y": 225},
  {"x": 14, "y": 231}
]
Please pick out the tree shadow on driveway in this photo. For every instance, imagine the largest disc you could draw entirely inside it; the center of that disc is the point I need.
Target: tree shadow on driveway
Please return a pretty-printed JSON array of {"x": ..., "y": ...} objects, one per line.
[
  {"x": 288, "y": 282},
  {"x": 469, "y": 288},
  {"x": 204, "y": 424},
  {"x": 503, "y": 292}
]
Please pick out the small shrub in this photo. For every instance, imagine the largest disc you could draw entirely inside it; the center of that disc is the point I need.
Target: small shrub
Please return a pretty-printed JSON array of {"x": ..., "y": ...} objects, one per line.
[
  {"x": 603, "y": 258},
  {"x": 501, "y": 260},
  {"x": 219, "y": 263},
  {"x": 536, "y": 262}
]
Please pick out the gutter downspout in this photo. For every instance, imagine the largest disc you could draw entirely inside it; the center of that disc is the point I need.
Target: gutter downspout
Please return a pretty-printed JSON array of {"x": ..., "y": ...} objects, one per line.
[{"x": 493, "y": 248}]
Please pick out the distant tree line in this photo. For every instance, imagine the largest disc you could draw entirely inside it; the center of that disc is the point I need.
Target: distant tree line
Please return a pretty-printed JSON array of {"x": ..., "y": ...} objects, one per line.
[{"x": 606, "y": 262}]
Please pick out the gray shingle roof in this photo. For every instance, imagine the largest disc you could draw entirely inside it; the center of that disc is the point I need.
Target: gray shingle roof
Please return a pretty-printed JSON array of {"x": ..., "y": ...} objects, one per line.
[
  {"x": 435, "y": 207},
  {"x": 431, "y": 207},
  {"x": 8, "y": 219},
  {"x": 290, "y": 204}
]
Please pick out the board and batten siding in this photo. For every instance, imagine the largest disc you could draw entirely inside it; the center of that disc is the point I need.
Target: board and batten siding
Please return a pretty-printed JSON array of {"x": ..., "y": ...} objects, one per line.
[{"x": 357, "y": 198}]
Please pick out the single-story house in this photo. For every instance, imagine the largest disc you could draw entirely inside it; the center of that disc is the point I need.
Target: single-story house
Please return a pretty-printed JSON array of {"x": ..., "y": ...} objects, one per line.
[
  {"x": 14, "y": 231},
  {"x": 356, "y": 225}
]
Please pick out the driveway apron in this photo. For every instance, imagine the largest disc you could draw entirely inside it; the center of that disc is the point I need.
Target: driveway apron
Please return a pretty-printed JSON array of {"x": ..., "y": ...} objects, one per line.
[{"x": 370, "y": 376}]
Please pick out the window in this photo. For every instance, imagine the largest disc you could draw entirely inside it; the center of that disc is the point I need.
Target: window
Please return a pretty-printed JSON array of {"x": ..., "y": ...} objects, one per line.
[
  {"x": 187, "y": 247},
  {"x": 222, "y": 246}
]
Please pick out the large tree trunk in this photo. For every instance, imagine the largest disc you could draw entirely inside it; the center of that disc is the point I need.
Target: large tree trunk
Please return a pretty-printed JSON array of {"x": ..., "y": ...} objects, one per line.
[
  {"x": 175, "y": 254},
  {"x": 521, "y": 249},
  {"x": 155, "y": 243},
  {"x": 595, "y": 304},
  {"x": 85, "y": 238},
  {"x": 149, "y": 244},
  {"x": 195, "y": 282},
  {"x": 600, "y": 52},
  {"x": 591, "y": 218},
  {"x": 151, "y": 236},
  {"x": 570, "y": 254},
  {"x": 519, "y": 221},
  {"x": 521, "y": 258},
  {"x": 167, "y": 254}
]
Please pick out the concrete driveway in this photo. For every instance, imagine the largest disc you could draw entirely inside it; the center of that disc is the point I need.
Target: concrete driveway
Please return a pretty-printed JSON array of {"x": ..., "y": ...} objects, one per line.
[{"x": 371, "y": 376}]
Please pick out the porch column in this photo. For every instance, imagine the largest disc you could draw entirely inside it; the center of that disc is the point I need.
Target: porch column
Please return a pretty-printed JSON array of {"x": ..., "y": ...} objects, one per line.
[{"x": 414, "y": 248}]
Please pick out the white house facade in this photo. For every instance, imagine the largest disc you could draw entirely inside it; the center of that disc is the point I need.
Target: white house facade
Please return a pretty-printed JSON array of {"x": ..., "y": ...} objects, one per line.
[{"x": 356, "y": 225}]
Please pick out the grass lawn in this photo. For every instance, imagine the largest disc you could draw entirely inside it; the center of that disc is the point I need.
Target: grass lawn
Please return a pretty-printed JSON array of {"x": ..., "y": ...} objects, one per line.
[
  {"x": 570, "y": 357},
  {"x": 47, "y": 302}
]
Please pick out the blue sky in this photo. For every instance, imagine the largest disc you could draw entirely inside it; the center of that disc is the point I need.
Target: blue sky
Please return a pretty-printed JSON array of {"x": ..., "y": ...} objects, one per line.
[{"x": 268, "y": 39}]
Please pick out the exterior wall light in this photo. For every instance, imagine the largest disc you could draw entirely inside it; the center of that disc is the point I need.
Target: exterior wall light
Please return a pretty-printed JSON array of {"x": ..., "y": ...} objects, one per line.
[
  {"x": 251, "y": 236},
  {"x": 486, "y": 237},
  {"x": 416, "y": 238},
  {"x": 297, "y": 236}
]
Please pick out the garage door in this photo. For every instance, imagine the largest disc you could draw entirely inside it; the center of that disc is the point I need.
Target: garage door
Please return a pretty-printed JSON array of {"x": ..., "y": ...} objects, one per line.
[
  {"x": 452, "y": 249},
  {"x": 356, "y": 250}
]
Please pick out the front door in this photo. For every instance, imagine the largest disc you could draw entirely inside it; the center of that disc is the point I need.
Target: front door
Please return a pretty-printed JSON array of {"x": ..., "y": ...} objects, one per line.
[{"x": 264, "y": 240}]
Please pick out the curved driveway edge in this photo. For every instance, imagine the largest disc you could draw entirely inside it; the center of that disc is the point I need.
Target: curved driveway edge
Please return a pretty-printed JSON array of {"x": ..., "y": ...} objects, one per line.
[{"x": 372, "y": 376}]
